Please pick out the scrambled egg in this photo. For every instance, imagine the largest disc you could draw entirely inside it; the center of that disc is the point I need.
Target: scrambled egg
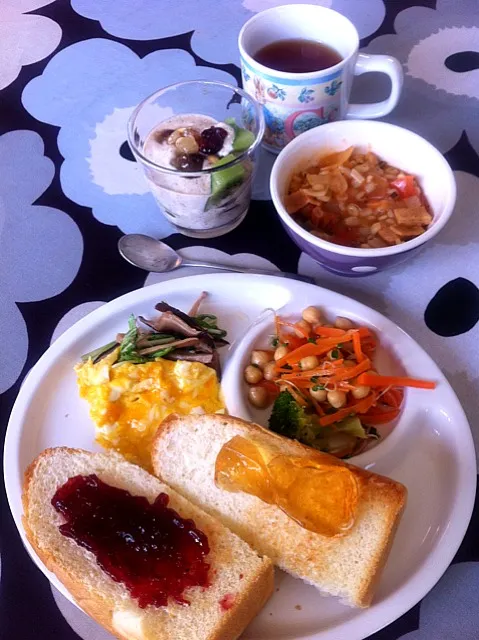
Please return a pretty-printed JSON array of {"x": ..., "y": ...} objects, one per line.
[{"x": 128, "y": 401}]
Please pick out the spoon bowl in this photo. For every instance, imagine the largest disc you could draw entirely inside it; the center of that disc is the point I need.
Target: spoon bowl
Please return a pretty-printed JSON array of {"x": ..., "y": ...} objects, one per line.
[
  {"x": 157, "y": 257},
  {"x": 148, "y": 254}
]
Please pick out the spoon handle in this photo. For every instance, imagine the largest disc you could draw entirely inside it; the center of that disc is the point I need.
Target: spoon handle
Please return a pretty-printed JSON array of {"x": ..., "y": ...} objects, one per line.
[{"x": 265, "y": 272}]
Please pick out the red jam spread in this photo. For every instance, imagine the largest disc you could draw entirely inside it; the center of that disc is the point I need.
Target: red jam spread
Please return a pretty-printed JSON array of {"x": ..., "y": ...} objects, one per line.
[
  {"x": 148, "y": 547},
  {"x": 227, "y": 601}
]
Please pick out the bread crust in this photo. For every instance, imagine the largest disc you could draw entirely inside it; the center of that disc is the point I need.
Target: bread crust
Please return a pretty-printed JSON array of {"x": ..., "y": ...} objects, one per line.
[
  {"x": 375, "y": 487},
  {"x": 231, "y": 624}
]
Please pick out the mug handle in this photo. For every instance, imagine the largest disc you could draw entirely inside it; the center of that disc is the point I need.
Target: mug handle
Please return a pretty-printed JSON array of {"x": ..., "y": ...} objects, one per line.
[{"x": 384, "y": 64}]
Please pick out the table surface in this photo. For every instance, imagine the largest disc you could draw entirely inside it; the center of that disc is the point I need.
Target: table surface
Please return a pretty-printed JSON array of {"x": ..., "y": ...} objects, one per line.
[{"x": 70, "y": 76}]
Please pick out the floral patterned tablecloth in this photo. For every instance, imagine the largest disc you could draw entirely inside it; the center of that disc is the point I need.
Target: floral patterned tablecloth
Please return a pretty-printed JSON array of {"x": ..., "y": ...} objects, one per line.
[{"x": 70, "y": 75}]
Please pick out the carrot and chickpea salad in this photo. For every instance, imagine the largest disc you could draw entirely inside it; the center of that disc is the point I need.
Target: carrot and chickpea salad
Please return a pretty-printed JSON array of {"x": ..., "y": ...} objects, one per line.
[{"x": 321, "y": 382}]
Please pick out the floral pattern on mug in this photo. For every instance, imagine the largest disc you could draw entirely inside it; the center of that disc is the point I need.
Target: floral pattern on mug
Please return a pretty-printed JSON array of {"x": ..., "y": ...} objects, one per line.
[
  {"x": 259, "y": 92},
  {"x": 247, "y": 115},
  {"x": 274, "y": 123},
  {"x": 276, "y": 93},
  {"x": 306, "y": 95},
  {"x": 298, "y": 122},
  {"x": 274, "y": 134},
  {"x": 332, "y": 89},
  {"x": 308, "y": 121}
]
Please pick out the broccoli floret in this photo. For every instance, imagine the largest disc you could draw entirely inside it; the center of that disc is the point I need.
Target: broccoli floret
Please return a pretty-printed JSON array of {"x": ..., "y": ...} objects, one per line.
[{"x": 288, "y": 418}]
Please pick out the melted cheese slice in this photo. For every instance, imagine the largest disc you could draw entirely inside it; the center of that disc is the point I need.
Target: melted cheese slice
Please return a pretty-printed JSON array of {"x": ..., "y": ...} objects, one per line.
[{"x": 316, "y": 491}]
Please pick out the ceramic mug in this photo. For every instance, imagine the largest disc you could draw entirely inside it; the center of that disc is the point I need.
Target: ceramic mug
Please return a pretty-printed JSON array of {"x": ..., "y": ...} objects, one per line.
[{"x": 296, "y": 102}]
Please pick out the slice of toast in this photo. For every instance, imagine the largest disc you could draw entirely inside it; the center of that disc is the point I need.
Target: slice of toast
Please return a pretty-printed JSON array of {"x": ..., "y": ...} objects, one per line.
[
  {"x": 184, "y": 454},
  {"x": 237, "y": 572}
]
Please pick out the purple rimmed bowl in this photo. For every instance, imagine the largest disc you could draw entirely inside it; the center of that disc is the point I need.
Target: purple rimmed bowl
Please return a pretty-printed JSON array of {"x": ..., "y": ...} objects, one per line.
[{"x": 397, "y": 146}]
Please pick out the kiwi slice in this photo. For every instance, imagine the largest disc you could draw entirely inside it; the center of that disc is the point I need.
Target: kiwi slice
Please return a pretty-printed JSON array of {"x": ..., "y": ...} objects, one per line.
[
  {"x": 243, "y": 138},
  {"x": 223, "y": 181}
]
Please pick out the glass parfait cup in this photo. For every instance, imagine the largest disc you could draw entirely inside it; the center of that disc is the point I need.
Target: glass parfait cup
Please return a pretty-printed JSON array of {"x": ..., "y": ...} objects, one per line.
[{"x": 213, "y": 200}]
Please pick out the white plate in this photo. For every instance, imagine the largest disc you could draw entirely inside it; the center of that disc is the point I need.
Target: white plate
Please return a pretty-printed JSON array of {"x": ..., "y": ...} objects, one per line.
[{"x": 430, "y": 450}]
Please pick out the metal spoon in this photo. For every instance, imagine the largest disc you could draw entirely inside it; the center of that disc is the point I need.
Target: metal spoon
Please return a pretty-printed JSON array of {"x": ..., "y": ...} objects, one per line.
[{"x": 152, "y": 255}]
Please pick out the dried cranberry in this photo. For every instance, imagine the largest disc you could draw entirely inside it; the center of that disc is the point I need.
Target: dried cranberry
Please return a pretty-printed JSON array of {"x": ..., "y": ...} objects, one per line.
[
  {"x": 161, "y": 136},
  {"x": 188, "y": 161},
  {"x": 150, "y": 548},
  {"x": 211, "y": 140}
]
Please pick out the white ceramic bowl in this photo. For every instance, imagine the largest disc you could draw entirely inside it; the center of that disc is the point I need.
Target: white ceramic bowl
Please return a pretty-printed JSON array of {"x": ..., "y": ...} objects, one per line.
[{"x": 399, "y": 147}]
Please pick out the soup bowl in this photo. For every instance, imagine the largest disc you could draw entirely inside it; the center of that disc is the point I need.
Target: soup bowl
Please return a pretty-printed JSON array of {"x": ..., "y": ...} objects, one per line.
[{"x": 400, "y": 148}]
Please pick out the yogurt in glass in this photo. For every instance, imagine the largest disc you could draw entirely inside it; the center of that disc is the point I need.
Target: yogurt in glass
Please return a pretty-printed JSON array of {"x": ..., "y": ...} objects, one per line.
[{"x": 199, "y": 167}]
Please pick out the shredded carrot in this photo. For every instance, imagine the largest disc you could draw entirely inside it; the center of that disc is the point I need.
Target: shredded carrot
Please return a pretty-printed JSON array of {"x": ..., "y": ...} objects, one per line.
[
  {"x": 330, "y": 386},
  {"x": 293, "y": 341},
  {"x": 366, "y": 403},
  {"x": 322, "y": 370},
  {"x": 318, "y": 407},
  {"x": 295, "y": 369},
  {"x": 358, "y": 352},
  {"x": 296, "y": 327},
  {"x": 331, "y": 418},
  {"x": 373, "y": 380},
  {"x": 284, "y": 323},
  {"x": 301, "y": 383},
  {"x": 344, "y": 386},
  {"x": 352, "y": 372},
  {"x": 329, "y": 332},
  {"x": 294, "y": 391},
  {"x": 360, "y": 407},
  {"x": 305, "y": 332},
  {"x": 320, "y": 347}
]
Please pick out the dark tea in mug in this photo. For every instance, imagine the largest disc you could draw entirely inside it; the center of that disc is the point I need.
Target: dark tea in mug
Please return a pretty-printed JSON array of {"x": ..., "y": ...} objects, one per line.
[{"x": 297, "y": 55}]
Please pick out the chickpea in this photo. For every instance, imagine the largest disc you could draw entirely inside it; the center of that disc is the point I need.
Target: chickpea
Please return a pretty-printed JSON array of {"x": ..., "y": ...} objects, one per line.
[
  {"x": 259, "y": 397},
  {"x": 308, "y": 362},
  {"x": 360, "y": 392},
  {"x": 281, "y": 352},
  {"x": 336, "y": 399},
  {"x": 269, "y": 371},
  {"x": 253, "y": 374},
  {"x": 311, "y": 315},
  {"x": 343, "y": 323},
  {"x": 260, "y": 358},
  {"x": 187, "y": 144},
  {"x": 318, "y": 394},
  {"x": 305, "y": 328}
]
